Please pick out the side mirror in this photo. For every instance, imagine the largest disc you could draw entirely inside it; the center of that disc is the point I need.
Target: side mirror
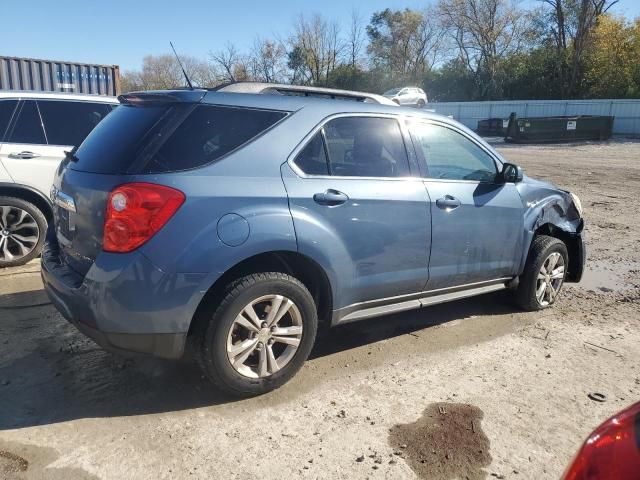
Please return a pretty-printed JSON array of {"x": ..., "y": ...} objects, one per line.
[{"x": 511, "y": 173}]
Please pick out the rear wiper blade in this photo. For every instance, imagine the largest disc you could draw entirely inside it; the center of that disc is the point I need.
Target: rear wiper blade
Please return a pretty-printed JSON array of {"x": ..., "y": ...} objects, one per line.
[{"x": 71, "y": 154}]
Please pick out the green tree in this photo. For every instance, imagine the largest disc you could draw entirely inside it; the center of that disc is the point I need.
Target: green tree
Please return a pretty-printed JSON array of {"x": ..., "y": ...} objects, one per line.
[
  {"x": 612, "y": 67},
  {"x": 453, "y": 82}
]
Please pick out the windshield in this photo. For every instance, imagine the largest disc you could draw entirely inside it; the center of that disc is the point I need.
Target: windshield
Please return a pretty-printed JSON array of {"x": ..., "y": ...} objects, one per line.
[{"x": 392, "y": 92}]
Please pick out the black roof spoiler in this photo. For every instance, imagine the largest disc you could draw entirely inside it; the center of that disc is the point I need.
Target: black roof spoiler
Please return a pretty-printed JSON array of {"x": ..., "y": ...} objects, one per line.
[
  {"x": 302, "y": 91},
  {"x": 162, "y": 97}
]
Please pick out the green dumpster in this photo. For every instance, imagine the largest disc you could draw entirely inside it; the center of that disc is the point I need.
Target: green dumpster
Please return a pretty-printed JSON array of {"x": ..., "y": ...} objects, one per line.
[{"x": 558, "y": 129}]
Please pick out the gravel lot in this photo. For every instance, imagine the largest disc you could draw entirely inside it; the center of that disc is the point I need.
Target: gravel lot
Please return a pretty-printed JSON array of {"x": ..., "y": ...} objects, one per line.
[{"x": 471, "y": 389}]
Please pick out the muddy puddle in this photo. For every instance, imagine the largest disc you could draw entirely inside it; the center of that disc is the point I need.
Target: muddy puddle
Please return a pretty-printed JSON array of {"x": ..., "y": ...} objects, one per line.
[
  {"x": 19, "y": 462},
  {"x": 602, "y": 277},
  {"x": 10, "y": 463},
  {"x": 447, "y": 442}
]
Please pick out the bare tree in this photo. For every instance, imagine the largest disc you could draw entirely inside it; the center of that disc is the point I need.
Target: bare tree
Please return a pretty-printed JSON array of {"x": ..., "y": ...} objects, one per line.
[
  {"x": 355, "y": 42},
  {"x": 163, "y": 71},
  {"x": 429, "y": 44},
  {"x": 485, "y": 32},
  {"x": 316, "y": 48},
  {"x": 268, "y": 60},
  {"x": 405, "y": 43},
  {"x": 231, "y": 62}
]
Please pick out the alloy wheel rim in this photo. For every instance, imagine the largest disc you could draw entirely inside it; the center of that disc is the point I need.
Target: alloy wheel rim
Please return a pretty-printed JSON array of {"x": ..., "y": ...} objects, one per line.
[
  {"x": 264, "y": 336},
  {"x": 550, "y": 278},
  {"x": 19, "y": 233}
]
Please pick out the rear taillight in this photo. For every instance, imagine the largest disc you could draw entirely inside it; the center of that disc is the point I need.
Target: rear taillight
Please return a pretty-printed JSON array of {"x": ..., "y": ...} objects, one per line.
[
  {"x": 135, "y": 212},
  {"x": 612, "y": 451}
]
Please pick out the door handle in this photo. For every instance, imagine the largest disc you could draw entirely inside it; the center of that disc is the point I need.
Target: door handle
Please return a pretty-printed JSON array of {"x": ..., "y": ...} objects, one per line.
[
  {"x": 448, "y": 202},
  {"x": 23, "y": 155},
  {"x": 330, "y": 198}
]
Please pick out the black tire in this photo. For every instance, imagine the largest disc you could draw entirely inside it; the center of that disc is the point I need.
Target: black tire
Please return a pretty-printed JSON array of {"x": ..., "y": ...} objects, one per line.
[
  {"x": 213, "y": 347},
  {"x": 421, "y": 103},
  {"x": 541, "y": 248},
  {"x": 41, "y": 222}
]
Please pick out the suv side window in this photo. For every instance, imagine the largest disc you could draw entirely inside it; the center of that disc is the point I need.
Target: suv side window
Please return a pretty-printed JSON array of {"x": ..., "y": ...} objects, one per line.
[
  {"x": 69, "y": 123},
  {"x": 28, "y": 127},
  {"x": 6, "y": 112},
  {"x": 312, "y": 160},
  {"x": 208, "y": 133},
  {"x": 450, "y": 155},
  {"x": 366, "y": 147}
]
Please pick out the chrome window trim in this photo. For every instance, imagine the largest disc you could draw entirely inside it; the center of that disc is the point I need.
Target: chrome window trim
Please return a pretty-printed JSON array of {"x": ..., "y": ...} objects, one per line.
[{"x": 320, "y": 126}]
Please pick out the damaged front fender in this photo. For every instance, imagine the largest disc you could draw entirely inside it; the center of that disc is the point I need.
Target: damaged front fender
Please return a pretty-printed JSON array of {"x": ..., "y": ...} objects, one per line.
[{"x": 551, "y": 211}]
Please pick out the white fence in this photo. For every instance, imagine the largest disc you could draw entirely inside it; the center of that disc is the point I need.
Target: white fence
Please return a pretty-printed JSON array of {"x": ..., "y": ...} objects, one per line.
[{"x": 626, "y": 112}]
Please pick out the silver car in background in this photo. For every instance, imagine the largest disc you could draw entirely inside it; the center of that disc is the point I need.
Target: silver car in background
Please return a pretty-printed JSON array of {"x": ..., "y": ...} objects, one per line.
[{"x": 409, "y": 96}]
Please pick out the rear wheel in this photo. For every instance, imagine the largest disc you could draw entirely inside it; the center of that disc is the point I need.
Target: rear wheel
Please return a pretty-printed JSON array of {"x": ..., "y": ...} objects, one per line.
[
  {"x": 421, "y": 103},
  {"x": 22, "y": 231},
  {"x": 544, "y": 273},
  {"x": 259, "y": 335}
]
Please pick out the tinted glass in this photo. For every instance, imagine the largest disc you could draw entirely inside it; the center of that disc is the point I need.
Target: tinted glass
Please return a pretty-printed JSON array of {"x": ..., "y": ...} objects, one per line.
[
  {"x": 207, "y": 134},
  {"x": 6, "y": 111},
  {"x": 113, "y": 145},
  {"x": 366, "y": 147},
  {"x": 68, "y": 123},
  {"x": 312, "y": 160},
  {"x": 450, "y": 155},
  {"x": 27, "y": 128}
]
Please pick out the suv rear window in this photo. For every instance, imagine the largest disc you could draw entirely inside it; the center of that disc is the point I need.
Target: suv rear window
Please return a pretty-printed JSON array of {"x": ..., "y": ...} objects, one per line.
[
  {"x": 112, "y": 146},
  {"x": 168, "y": 138}
]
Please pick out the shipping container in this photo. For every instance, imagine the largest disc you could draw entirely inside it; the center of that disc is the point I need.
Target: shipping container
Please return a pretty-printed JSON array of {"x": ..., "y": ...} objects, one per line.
[{"x": 53, "y": 76}]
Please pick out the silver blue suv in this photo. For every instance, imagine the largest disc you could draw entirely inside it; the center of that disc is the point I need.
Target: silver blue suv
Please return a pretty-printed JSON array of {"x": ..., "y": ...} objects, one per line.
[{"x": 242, "y": 219}]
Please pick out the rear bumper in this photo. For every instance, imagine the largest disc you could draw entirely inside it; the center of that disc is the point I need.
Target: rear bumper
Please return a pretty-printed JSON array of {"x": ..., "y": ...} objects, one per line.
[{"x": 124, "y": 303}]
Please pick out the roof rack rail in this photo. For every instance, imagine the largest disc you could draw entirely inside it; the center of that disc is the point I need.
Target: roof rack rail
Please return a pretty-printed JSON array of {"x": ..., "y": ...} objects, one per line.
[{"x": 302, "y": 91}]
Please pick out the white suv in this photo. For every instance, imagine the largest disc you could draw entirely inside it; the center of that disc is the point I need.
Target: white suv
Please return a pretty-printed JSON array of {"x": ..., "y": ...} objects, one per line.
[
  {"x": 407, "y": 96},
  {"x": 35, "y": 131}
]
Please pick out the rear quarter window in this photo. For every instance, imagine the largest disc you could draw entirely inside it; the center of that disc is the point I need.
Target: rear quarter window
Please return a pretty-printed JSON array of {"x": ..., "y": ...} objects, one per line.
[
  {"x": 209, "y": 133},
  {"x": 169, "y": 137}
]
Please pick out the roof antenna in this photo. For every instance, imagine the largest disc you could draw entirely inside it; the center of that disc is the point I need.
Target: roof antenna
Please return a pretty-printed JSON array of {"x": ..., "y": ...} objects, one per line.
[{"x": 180, "y": 63}]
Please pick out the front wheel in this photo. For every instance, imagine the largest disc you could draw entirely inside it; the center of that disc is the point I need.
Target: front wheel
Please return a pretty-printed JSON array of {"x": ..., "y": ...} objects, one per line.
[
  {"x": 259, "y": 335},
  {"x": 22, "y": 231},
  {"x": 544, "y": 273},
  {"x": 421, "y": 103}
]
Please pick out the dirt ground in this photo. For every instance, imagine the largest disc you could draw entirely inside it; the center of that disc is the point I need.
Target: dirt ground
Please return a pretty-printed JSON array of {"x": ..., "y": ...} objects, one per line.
[{"x": 472, "y": 389}]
